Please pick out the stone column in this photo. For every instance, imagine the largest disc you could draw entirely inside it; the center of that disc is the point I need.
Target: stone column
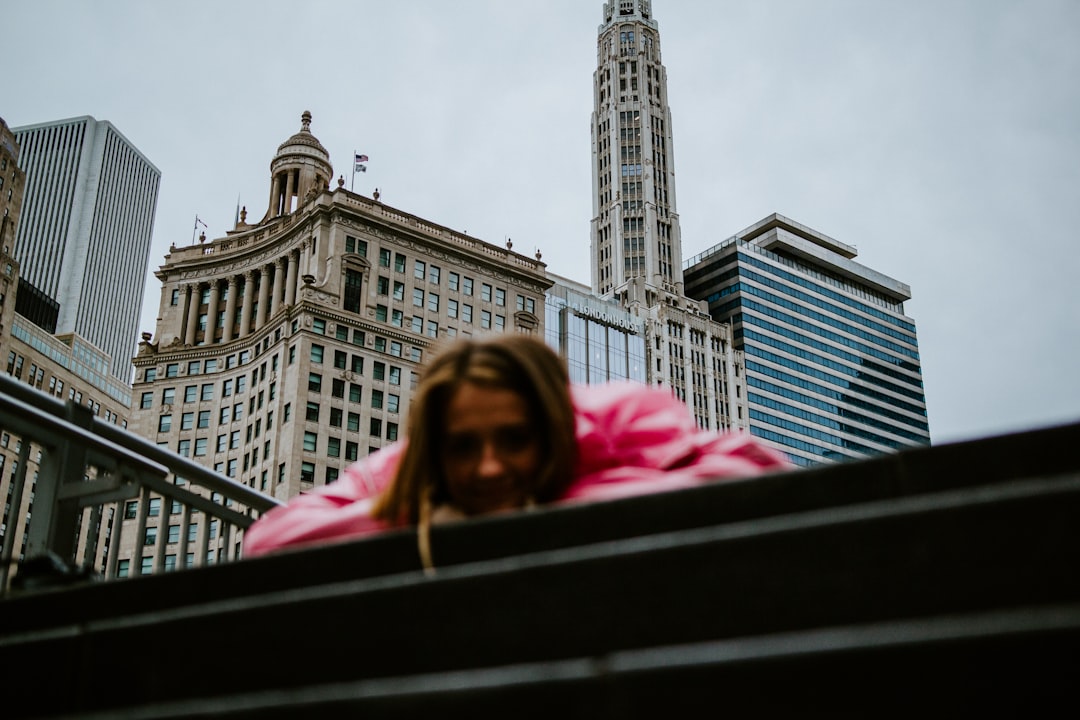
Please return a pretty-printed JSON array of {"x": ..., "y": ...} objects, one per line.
[
  {"x": 211, "y": 311},
  {"x": 290, "y": 279},
  {"x": 230, "y": 309},
  {"x": 245, "y": 311},
  {"x": 279, "y": 285},
  {"x": 264, "y": 296},
  {"x": 192, "y": 313},
  {"x": 290, "y": 188},
  {"x": 275, "y": 195}
]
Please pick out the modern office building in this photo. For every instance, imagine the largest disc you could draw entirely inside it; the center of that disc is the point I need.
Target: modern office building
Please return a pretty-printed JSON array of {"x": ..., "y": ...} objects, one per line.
[
  {"x": 832, "y": 361},
  {"x": 600, "y": 340},
  {"x": 636, "y": 247},
  {"x": 288, "y": 349},
  {"x": 85, "y": 229},
  {"x": 65, "y": 366}
]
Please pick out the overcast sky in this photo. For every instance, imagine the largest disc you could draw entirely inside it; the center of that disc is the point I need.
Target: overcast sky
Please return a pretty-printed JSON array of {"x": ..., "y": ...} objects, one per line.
[{"x": 939, "y": 137}]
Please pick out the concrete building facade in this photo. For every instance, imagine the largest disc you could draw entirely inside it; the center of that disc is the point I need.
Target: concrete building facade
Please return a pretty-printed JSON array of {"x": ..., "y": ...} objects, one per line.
[
  {"x": 831, "y": 360},
  {"x": 636, "y": 243},
  {"x": 288, "y": 349},
  {"x": 88, "y": 215}
]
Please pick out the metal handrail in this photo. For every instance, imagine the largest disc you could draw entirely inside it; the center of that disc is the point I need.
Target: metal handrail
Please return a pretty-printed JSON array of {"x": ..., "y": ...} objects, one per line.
[{"x": 70, "y": 501}]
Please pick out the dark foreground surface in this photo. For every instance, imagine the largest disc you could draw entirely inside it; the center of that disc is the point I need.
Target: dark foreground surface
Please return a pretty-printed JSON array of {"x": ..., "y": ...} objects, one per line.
[{"x": 938, "y": 578}]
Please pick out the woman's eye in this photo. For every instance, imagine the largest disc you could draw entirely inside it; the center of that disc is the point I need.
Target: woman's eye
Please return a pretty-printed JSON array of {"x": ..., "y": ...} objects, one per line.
[
  {"x": 514, "y": 439},
  {"x": 461, "y": 446}
]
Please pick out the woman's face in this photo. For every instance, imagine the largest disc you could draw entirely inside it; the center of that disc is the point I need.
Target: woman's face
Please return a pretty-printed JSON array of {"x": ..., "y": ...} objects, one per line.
[{"x": 491, "y": 453}]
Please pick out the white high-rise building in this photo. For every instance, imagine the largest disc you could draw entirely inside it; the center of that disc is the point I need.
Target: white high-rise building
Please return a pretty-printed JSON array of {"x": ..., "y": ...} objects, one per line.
[
  {"x": 636, "y": 244},
  {"x": 635, "y": 227},
  {"x": 85, "y": 229}
]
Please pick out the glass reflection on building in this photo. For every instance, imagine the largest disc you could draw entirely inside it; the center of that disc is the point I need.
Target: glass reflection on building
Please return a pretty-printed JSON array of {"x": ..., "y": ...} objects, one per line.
[{"x": 600, "y": 341}]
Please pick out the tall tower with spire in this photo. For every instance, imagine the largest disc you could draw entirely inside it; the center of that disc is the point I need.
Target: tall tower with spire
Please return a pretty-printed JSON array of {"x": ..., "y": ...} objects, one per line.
[
  {"x": 636, "y": 246},
  {"x": 635, "y": 226}
]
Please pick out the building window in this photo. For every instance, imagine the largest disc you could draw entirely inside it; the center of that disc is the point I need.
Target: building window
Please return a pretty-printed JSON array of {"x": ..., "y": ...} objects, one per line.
[
  {"x": 314, "y": 382},
  {"x": 310, "y": 440},
  {"x": 204, "y": 419},
  {"x": 485, "y": 292},
  {"x": 377, "y": 399},
  {"x": 392, "y": 402},
  {"x": 453, "y": 281},
  {"x": 397, "y": 318},
  {"x": 191, "y": 393},
  {"x": 312, "y": 413},
  {"x": 384, "y": 258},
  {"x": 164, "y": 423},
  {"x": 467, "y": 285},
  {"x": 146, "y": 401},
  {"x": 333, "y": 447},
  {"x": 317, "y": 354},
  {"x": 376, "y": 427},
  {"x": 353, "y": 299},
  {"x": 420, "y": 270},
  {"x": 433, "y": 302},
  {"x": 207, "y": 392},
  {"x": 399, "y": 263},
  {"x": 200, "y": 447},
  {"x": 418, "y": 297},
  {"x": 500, "y": 297}
]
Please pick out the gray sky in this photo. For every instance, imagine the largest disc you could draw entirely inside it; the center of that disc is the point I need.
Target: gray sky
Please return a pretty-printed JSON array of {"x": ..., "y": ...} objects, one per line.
[{"x": 941, "y": 138}]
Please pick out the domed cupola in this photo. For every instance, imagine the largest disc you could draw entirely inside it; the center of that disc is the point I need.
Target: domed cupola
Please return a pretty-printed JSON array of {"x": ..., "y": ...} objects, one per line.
[{"x": 300, "y": 166}]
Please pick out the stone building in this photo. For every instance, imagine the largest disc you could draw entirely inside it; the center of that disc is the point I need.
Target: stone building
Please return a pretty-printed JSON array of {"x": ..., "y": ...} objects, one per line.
[
  {"x": 636, "y": 247},
  {"x": 289, "y": 348}
]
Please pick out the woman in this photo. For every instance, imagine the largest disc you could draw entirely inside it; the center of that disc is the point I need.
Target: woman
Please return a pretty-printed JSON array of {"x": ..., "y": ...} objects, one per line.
[{"x": 495, "y": 426}]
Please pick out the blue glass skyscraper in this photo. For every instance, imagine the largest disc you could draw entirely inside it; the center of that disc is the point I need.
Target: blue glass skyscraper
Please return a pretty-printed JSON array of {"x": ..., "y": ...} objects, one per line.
[{"x": 832, "y": 361}]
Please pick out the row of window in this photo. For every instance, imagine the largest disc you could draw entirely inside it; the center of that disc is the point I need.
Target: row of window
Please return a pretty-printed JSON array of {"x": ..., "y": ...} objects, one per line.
[{"x": 36, "y": 378}]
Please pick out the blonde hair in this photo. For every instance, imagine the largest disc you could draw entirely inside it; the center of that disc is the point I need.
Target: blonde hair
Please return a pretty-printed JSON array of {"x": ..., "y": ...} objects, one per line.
[{"x": 512, "y": 362}]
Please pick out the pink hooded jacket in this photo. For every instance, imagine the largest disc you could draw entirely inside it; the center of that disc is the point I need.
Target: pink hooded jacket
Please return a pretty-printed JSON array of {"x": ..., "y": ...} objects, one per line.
[{"x": 632, "y": 440}]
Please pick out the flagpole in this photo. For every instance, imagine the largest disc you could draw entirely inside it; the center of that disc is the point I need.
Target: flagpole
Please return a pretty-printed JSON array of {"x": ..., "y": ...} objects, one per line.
[{"x": 352, "y": 183}]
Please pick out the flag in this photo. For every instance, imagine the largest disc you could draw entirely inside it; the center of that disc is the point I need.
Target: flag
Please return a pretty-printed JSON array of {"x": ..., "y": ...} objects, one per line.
[
  {"x": 361, "y": 159},
  {"x": 361, "y": 168},
  {"x": 199, "y": 222}
]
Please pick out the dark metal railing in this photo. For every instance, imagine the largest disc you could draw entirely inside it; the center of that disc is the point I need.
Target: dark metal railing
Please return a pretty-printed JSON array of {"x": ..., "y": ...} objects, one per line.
[{"x": 95, "y": 480}]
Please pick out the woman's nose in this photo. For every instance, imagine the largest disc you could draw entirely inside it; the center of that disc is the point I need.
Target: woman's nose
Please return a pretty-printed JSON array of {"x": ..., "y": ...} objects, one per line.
[{"x": 490, "y": 463}]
